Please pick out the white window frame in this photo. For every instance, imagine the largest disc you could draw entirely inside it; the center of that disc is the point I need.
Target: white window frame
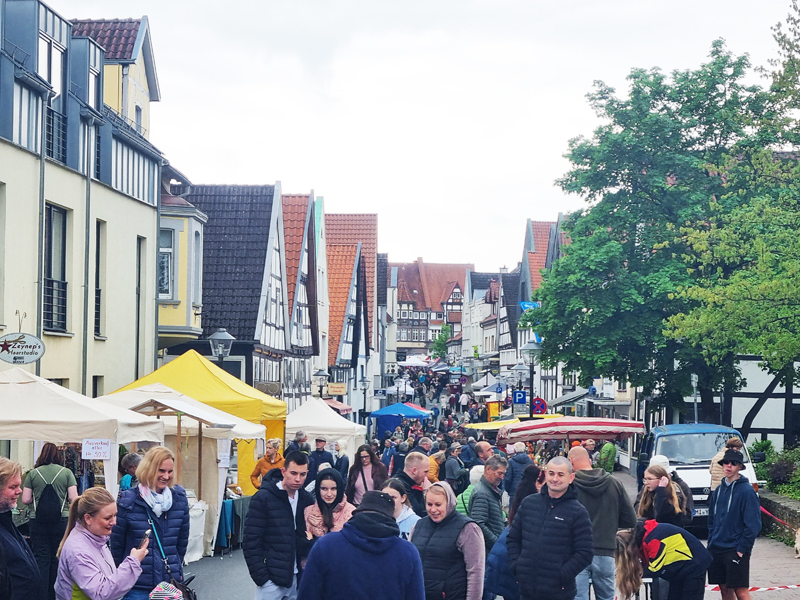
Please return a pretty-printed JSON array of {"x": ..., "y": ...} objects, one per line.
[{"x": 169, "y": 255}]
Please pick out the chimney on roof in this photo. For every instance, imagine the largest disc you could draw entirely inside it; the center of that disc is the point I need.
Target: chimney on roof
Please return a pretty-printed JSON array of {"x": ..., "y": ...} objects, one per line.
[{"x": 504, "y": 270}]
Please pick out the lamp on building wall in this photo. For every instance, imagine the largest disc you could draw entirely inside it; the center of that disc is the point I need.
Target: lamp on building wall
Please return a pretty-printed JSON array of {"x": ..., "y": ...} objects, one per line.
[
  {"x": 221, "y": 343},
  {"x": 322, "y": 376},
  {"x": 532, "y": 350}
]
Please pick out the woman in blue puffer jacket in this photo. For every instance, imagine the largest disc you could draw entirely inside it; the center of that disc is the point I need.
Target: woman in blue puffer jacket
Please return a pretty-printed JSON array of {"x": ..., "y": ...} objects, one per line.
[{"x": 157, "y": 504}]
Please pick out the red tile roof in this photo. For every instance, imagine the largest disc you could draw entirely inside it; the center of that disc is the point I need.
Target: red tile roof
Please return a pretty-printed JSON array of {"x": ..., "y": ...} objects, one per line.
[
  {"x": 428, "y": 285},
  {"x": 454, "y": 317},
  {"x": 493, "y": 293},
  {"x": 538, "y": 258},
  {"x": 341, "y": 261},
  {"x": 351, "y": 229},
  {"x": 295, "y": 215},
  {"x": 490, "y": 319},
  {"x": 116, "y": 36}
]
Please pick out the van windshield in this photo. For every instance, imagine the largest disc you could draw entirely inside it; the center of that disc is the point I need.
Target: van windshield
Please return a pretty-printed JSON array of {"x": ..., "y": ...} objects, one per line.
[{"x": 692, "y": 448}]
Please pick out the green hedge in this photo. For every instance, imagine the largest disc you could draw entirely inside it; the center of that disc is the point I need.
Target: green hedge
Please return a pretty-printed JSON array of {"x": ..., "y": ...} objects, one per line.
[{"x": 780, "y": 468}]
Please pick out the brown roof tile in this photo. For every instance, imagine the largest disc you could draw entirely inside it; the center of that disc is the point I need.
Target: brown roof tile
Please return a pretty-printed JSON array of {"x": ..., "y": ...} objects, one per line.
[
  {"x": 116, "y": 36},
  {"x": 493, "y": 293},
  {"x": 538, "y": 258},
  {"x": 341, "y": 261},
  {"x": 295, "y": 215},
  {"x": 351, "y": 229},
  {"x": 428, "y": 285},
  {"x": 454, "y": 317}
]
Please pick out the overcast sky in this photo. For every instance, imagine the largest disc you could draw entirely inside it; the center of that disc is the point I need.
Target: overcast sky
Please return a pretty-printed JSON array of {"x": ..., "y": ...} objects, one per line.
[{"x": 448, "y": 118}]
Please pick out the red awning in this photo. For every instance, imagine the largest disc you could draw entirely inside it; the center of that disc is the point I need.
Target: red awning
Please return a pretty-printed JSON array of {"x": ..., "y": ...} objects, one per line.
[{"x": 340, "y": 406}]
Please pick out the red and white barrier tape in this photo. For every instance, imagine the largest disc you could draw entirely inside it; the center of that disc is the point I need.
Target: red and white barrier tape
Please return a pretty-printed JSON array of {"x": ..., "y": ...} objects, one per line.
[{"x": 715, "y": 588}]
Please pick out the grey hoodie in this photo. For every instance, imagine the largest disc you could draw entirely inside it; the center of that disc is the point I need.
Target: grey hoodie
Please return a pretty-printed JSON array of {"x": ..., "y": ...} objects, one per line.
[{"x": 608, "y": 505}]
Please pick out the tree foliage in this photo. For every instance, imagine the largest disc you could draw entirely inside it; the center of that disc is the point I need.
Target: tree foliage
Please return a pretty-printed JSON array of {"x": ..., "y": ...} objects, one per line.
[
  {"x": 439, "y": 348},
  {"x": 651, "y": 167}
]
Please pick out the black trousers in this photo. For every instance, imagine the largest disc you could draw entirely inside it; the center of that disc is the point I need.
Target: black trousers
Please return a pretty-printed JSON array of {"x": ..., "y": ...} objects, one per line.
[
  {"x": 45, "y": 540},
  {"x": 687, "y": 589}
]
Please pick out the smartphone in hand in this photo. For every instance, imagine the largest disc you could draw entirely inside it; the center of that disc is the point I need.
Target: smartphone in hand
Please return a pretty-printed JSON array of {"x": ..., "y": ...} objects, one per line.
[{"x": 145, "y": 537}]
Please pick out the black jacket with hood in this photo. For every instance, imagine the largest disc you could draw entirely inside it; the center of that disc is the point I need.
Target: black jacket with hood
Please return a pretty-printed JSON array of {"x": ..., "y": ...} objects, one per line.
[
  {"x": 607, "y": 503},
  {"x": 273, "y": 540},
  {"x": 549, "y": 542}
]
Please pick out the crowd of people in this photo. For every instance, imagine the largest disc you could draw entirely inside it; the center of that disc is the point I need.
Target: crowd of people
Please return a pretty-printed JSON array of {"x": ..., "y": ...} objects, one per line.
[{"x": 418, "y": 514}]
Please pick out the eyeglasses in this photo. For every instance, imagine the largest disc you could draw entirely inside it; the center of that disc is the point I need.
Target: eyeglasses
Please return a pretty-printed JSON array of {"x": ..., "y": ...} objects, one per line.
[{"x": 363, "y": 456}]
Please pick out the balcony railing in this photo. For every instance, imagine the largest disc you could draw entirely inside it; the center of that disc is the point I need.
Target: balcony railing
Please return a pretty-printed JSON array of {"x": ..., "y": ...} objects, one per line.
[
  {"x": 55, "y": 305},
  {"x": 56, "y": 135},
  {"x": 97, "y": 154},
  {"x": 98, "y": 294}
]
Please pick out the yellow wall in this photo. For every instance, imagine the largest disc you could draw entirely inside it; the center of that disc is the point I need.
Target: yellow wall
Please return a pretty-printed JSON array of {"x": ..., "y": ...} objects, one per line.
[
  {"x": 138, "y": 91},
  {"x": 112, "y": 87},
  {"x": 126, "y": 219},
  {"x": 179, "y": 312}
]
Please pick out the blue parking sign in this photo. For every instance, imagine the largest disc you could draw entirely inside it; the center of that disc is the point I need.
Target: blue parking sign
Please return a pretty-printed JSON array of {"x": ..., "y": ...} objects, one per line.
[{"x": 519, "y": 397}]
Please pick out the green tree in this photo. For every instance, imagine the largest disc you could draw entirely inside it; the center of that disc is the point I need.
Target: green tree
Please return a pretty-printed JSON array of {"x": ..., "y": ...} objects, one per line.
[
  {"x": 651, "y": 167},
  {"x": 439, "y": 348}
]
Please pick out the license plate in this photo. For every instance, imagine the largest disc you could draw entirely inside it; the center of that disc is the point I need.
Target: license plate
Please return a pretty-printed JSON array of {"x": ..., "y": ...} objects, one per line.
[{"x": 700, "y": 512}]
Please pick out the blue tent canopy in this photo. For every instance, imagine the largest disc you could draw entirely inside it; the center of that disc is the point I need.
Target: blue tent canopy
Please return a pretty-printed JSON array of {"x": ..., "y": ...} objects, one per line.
[{"x": 400, "y": 410}]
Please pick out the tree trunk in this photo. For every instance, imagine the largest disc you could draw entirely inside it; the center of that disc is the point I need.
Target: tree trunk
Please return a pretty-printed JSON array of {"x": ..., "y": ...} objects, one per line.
[{"x": 708, "y": 410}]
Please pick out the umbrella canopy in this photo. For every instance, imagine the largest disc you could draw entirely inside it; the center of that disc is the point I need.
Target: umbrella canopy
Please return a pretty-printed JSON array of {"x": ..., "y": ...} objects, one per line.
[
  {"x": 493, "y": 426},
  {"x": 400, "y": 410},
  {"x": 34, "y": 408},
  {"x": 240, "y": 429},
  {"x": 569, "y": 428},
  {"x": 418, "y": 407}
]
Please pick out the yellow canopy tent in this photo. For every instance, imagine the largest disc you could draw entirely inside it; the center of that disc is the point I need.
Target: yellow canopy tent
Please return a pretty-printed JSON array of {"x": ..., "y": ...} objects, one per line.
[{"x": 197, "y": 377}]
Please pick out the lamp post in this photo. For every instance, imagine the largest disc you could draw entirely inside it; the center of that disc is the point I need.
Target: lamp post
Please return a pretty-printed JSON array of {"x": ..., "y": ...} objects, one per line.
[
  {"x": 221, "y": 343},
  {"x": 364, "y": 384},
  {"x": 533, "y": 349},
  {"x": 694, "y": 388},
  {"x": 322, "y": 376}
]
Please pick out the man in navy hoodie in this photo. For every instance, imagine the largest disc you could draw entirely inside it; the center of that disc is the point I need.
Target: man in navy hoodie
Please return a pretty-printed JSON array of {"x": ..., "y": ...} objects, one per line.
[
  {"x": 365, "y": 560},
  {"x": 734, "y": 520}
]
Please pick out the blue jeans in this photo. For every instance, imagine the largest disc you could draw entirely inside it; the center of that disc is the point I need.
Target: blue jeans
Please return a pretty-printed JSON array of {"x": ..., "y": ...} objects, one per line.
[
  {"x": 135, "y": 594},
  {"x": 600, "y": 574}
]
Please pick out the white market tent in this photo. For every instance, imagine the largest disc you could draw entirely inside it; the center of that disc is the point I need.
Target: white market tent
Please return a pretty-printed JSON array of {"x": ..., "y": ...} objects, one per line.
[
  {"x": 485, "y": 381},
  {"x": 414, "y": 361},
  {"x": 316, "y": 418},
  {"x": 217, "y": 425},
  {"x": 33, "y": 408}
]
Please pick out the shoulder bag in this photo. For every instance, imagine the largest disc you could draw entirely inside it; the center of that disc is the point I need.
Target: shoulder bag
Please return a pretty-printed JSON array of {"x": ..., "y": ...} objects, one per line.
[{"x": 188, "y": 593}]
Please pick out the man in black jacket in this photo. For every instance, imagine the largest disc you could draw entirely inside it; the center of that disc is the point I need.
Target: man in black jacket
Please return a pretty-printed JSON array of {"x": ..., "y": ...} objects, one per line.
[
  {"x": 20, "y": 579},
  {"x": 553, "y": 520},
  {"x": 610, "y": 509},
  {"x": 319, "y": 456},
  {"x": 414, "y": 473},
  {"x": 275, "y": 541}
]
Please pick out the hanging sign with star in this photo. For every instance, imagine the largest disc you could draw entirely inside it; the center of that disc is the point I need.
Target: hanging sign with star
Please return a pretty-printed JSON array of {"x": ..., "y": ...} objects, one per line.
[{"x": 21, "y": 348}]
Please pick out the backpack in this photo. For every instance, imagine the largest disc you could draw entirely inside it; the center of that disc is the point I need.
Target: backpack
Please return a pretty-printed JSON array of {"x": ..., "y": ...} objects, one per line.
[{"x": 48, "y": 508}]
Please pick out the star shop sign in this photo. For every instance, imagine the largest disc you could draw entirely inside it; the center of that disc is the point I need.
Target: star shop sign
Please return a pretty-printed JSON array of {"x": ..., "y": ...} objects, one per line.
[{"x": 21, "y": 348}]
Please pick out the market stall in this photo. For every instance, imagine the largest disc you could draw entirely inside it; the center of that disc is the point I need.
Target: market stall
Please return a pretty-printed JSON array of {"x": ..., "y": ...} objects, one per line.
[
  {"x": 569, "y": 428},
  {"x": 318, "y": 419},
  {"x": 389, "y": 417},
  {"x": 33, "y": 408},
  {"x": 192, "y": 421},
  {"x": 199, "y": 378}
]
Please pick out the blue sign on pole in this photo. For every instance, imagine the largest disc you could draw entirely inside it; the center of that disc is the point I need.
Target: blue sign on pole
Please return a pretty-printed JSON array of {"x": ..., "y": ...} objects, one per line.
[
  {"x": 519, "y": 397},
  {"x": 499, "y": 389}
]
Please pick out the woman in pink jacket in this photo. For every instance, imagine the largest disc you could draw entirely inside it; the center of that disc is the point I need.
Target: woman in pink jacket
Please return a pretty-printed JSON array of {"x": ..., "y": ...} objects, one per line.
[
  {"x": 86, "y": 567},
  {"x": 331, "y": 511}
]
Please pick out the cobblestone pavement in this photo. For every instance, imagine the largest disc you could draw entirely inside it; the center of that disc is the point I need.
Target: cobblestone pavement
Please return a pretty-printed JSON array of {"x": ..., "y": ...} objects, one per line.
[{"x": 773, "y": 563}]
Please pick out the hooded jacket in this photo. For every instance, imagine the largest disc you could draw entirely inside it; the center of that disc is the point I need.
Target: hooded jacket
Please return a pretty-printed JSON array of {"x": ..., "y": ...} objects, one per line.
[
  {"x": 86, "y": 564},
  {"x": 734, "y": 517},
  {"x": 22, "y": 571},
  {"x": 341, "y": 513},
  {"x": 673, "y": 553},
  {"x": 485, "y": 508},
  {"x": 516, "y": 465},
  {"x": 370, "y": 556},
  {"x": 172, "y": 528},
  {"x": 273, "y": 540},
  {"x": 499, "y": 579},
  {"x": 406, "y": 521},
  {"x": 609, "y": 508},
  {"x": 549, "y": 543},
  {"x": 452, "y": 553}
]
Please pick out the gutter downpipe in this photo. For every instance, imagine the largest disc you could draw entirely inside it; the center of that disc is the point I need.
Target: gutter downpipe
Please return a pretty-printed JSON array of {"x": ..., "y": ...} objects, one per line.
[
  {"x": 157, "y": 242},
  {"x": 40, "y": 284},
  {"x": 87, "y": 247}
]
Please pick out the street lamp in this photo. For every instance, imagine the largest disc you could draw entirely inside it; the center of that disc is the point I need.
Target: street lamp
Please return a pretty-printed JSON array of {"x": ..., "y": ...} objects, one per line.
[
  {"x": 322, "y": 376},
  {"x": 221, "y": 343},
  {"x": 533, "y": 349},
  {"x": 519, "y": 370},
  {"x": 364, "y": 384}
]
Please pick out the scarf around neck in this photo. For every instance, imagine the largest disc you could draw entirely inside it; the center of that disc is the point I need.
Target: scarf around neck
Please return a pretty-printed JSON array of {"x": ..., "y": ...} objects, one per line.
[{"x": 158, "y": 503}]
